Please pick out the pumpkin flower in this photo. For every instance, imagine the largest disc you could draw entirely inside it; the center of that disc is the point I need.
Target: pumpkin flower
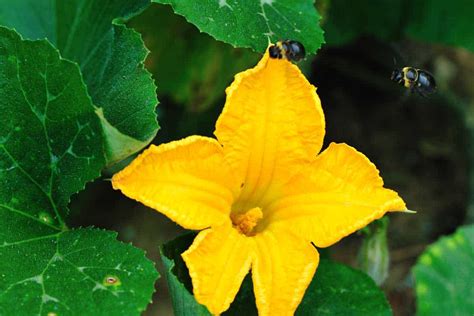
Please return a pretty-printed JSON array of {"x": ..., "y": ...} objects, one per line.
[{"x": 260, "y": 194}]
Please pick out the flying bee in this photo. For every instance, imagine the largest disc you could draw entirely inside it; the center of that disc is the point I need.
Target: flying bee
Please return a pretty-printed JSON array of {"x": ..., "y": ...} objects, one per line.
[
  {"x": 417, "y": 80},
  {"x": 287, "y": 49}
]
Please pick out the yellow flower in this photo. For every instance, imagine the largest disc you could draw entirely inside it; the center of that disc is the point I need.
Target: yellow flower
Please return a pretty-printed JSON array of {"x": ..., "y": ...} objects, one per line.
[{"x": 259, "y": 193}]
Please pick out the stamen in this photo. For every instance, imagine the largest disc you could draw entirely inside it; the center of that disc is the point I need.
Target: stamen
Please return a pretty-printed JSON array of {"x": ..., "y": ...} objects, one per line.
[{"x": 246, "y": 222}]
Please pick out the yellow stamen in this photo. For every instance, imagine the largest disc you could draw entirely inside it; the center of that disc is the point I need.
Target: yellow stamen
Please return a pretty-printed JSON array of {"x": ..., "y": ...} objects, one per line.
[{"x": 246, "y": 222}]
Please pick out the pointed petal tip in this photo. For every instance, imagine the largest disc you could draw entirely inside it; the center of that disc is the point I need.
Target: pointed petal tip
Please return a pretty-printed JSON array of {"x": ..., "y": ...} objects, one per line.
[{"x": 115, "y": 180}]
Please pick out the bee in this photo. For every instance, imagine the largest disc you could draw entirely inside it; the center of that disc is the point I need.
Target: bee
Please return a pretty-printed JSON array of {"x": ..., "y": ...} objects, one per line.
[
  {"x": 418, "y": 80},
  {"x": 287, "y": 49}
]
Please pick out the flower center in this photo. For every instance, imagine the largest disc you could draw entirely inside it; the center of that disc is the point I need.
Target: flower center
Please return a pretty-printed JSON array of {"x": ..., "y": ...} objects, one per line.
[{"x": 246, "y": 222}]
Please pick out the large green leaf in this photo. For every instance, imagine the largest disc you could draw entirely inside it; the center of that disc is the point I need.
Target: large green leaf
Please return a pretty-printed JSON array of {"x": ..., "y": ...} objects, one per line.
[
  {"x": 51, "y": 144},
  {"x": 190, "y": 66},
  {"x": 335, "y": 290},
  {"x": 444, "y": 275},
  {"x": 253, "y": 23},
  {"x": 110, "y": 55},
  {"x": 78, "y": 272}
]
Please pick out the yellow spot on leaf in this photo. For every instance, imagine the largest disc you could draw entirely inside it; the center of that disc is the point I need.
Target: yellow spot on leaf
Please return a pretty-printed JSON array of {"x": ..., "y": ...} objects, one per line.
[{"x": 111, "y": 280}]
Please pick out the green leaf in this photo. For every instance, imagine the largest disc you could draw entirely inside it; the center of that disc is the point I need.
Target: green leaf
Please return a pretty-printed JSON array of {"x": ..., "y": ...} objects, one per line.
[
  {"x": 78, "y": 272},
  {"x": 50, "y": 137},
  {"x": 335, "y": 290},
  {"x": 444, "y": 275},
  {"x": 206, "y": 67},
  {"x": 51, "y": 144},
  {"x": 110, "y": 55},
  {"x": 252, "y": 23}
]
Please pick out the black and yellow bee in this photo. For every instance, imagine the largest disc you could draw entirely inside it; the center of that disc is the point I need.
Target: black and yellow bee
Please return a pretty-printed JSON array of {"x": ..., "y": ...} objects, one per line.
[
  {"x": 417, "y": 80},
  {"x": 287, "y": 49}
]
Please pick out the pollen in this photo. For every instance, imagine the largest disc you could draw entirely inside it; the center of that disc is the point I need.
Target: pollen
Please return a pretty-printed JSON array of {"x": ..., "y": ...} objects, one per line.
[{"x": 246, "y": 222}]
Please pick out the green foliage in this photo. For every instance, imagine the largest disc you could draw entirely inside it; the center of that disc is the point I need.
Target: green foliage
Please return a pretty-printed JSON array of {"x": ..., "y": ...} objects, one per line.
[
  {"x": 345, "y": 21},
  {"x": 190, "y": 66},
  {"x": 335, "y": 290},
  {"x": 447, "y": 22},
  {"x": 51, "y": 144},
  {"x": 78, "y": 272},
  {"x": 110, "y": 56},
  {"x": 444, "y": 275},
  {"x": 250, "y": 23},
  {"x": 51, "y": 140},
  {"x": 438, "y": 21}
]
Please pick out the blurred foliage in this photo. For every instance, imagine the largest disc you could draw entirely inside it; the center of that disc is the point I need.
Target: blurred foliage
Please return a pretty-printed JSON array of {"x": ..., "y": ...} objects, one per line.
[
  {"x": 250, "y": 23},
  {"x": 437, "y": 21},
  {"x": 444, "y": 275},
  {"x": 345, "y": 21},
  {"x": 190, "y": 67},
  {"x": 373, "y": 257}
]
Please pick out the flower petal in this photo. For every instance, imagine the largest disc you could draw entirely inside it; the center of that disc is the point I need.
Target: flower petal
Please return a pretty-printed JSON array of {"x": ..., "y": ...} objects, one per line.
[
  {"x": 342, "y": 193},
  {"x": 186, "y": 180},
  {"x": 272, "y": 124},
  {"x": 282, "y": 269},
  {"x": 218, "y": 261}
]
